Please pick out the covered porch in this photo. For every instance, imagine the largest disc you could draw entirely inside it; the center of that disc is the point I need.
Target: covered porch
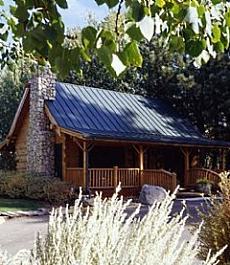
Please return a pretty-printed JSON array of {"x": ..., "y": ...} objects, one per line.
[{"x": 102, "y": 165}]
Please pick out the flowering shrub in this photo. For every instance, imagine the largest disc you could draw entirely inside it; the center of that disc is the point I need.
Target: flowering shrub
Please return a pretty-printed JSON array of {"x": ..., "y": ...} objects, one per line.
[
  {"x": 215, "y": 233},
  {"x": 21, "y": 185},
  {"x": 104, "y": 234}
]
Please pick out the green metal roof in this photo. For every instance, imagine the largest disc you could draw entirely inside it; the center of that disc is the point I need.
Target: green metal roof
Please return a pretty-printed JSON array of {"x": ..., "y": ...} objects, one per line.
[{"x": 105, "y": 114}]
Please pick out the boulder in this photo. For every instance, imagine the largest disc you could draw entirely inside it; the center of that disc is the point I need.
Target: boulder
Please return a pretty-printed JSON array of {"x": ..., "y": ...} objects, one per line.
[{"x": 150, "y": 194}]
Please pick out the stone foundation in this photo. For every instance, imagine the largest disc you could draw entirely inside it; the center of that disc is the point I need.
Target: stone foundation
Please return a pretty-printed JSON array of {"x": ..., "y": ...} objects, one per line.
[{"x": 40, "y": 143}]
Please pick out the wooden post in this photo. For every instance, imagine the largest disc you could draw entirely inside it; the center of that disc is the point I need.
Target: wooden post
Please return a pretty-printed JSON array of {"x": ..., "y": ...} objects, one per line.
[
  {"x": 186, "y": 166},
  {"x": 174, "y": 184},
  {"x": 141, "y": 163},
  {"x": 85, "y": 165},
  {"x": 63, "y": 158},
  {"x": 115, "y": 168}
]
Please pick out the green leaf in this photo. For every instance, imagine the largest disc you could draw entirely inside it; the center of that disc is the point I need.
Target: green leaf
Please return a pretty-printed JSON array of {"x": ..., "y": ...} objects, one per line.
[
  {"x": 160, "y": 3},
  {"x": 100, "y": 2},
  {"x": 134, "y": 33},
  {"x": 137, "y": 11},
  {"x": 195, "y": 47},
  {"x": 201, "y": 10},
  {"x": 227, "y": 18},
  {"x": 112, "y": 3},
  {"x": 89, "y": 36},
  {"x": 21, "y": 13},
  {"x": 131, "y": 55},
  {"x": 216, "y": 32},
  {"x": 106, "y": 38},
  {"x": 105, "y": 55},
  {"x": 62, "y": 3},
  {"x": 4, "y": 36},
  {"x": 109, "y": 3},
  {"x": 1, "y": 3},
  {"x": 175, "y": 9},
  {"x": 84, "y": 55},
  {"x": 215, "y": 2},
  {"x": 219, "y": 47},
  {"x": 177, "y": 44}
]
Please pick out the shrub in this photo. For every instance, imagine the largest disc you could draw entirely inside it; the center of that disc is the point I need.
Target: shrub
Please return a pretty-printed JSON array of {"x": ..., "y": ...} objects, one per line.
[
  {"x": 104, "y": 234},
  {"x": 215, "y": 232},
  {"x": 20, "y": 185}
]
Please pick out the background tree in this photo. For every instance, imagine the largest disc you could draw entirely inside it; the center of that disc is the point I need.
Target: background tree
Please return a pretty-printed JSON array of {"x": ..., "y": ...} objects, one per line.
[
  {"x": 12, "y": 82},
  {"x": 199, "y": 28}
]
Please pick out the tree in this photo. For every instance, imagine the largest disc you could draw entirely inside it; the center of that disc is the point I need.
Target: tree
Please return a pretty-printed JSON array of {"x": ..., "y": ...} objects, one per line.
[
  {"x": 199, "y": 28},
  {"x": 12, "y": 83}
]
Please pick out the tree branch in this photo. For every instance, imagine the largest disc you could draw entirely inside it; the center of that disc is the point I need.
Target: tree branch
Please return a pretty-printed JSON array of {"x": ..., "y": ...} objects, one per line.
[{"x": 117, "y": 17}]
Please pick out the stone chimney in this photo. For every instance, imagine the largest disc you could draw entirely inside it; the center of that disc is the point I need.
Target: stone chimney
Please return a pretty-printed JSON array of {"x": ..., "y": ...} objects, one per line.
[{"x": 40, "y": 139}]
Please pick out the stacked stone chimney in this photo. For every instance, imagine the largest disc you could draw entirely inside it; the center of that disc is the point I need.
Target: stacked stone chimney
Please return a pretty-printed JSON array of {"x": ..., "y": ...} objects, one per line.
[{"x": 40, "y": 139}]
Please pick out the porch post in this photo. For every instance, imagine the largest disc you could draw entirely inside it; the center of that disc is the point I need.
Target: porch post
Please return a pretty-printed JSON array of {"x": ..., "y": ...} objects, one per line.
[
  {"x": 186, "y": 165},
  {"x": 115, "y": 170},
  {"x": 141, "y": 163},
  {"x": 63, "y": 157},
  {"x": 85, "y": 165}
]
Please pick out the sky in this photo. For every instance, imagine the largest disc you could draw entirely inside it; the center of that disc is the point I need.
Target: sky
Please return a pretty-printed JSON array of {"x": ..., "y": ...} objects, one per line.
[{"x": 77, "y": 12}]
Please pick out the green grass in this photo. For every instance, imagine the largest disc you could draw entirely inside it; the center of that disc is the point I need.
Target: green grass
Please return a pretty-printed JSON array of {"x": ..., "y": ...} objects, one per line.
[{"x": 14, "y": 205}]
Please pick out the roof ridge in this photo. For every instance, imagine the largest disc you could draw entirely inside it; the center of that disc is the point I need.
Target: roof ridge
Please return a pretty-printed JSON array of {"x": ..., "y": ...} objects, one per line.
[{"x": 110, "y": 90}]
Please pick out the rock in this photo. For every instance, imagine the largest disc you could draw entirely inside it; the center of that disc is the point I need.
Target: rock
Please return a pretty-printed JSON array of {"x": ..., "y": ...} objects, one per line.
[{"x": 150, "y": 194}]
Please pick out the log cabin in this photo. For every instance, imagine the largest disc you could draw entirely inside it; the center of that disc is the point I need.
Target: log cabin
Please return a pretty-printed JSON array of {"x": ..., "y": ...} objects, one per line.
[{"x": 96, "y": 138}]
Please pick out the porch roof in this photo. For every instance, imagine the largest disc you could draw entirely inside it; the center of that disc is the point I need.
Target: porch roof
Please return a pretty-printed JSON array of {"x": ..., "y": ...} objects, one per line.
[{"x": 105, "y": 114}]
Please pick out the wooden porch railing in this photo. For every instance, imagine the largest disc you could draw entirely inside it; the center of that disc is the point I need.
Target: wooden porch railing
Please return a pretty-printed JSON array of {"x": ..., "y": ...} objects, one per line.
[
  {"x": 129, "y": 177},
  {"x": 202, "y": 173},
  {"x": 101, "y": 177},
  {"x": 159, "y": 177},
  {"x": 108, "y": 178}
]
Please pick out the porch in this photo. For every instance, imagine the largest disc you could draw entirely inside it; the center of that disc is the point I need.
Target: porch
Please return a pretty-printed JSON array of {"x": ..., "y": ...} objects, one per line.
[
  {"x": 132, "y": 179},
  {"x": 101, "y": 166}
]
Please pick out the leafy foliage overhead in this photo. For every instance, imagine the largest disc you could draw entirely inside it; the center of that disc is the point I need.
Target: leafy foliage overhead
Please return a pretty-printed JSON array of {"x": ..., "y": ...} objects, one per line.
[{"x": 199, "y": 28}]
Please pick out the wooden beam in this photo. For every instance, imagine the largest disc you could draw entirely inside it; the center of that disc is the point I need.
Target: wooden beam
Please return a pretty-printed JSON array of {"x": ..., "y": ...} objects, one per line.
[
  {"x": 72, "y": 133},
  {"x": 64, "y": 158},
  {"x": 85, "y": 165},
  {"x": 141, "y": 157},
  {"x": 141, "y": 163},
  {"x": 53, "y": 122},
  {"x": 186, "y": 153}
]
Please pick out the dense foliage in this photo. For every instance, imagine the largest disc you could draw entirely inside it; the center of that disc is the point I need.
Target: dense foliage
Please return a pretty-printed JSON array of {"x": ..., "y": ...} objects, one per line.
[
  {"x": 12, "y": 82},
  {"x": 199, "y": 28},
  {"x": 20, "y": 185},
  {"x": 215, "y": 232},
  {"x": 105, "y": 234}
]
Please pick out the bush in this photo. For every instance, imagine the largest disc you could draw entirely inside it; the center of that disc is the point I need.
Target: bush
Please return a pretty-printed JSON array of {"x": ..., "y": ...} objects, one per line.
[
  {"x": 104, "y": 234},
  {"x": 215, "y": 232},
  {"x": 20, "y": 185}
]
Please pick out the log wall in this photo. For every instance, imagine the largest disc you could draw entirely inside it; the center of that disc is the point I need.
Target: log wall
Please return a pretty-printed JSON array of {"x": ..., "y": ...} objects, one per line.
[{"x": 21, "y": 145}]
